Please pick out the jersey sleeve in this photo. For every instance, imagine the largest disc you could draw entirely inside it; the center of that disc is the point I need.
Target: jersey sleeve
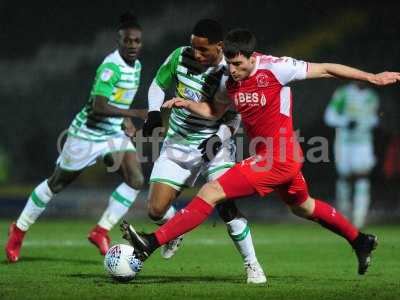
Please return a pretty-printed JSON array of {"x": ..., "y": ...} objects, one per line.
[
  {"x": 167, "y": 72},
  {"x": 221, "y": 95},
  {"x": 107, "y": 75},
  {"x": 287, "y": 69}
]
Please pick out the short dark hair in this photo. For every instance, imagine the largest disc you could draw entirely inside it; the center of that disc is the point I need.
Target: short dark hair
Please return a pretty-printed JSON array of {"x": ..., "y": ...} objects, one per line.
[
  {"x": 239, "y": 41},
  {"x": 210, "y": 29},
  {"x": 128, "y": 20}
]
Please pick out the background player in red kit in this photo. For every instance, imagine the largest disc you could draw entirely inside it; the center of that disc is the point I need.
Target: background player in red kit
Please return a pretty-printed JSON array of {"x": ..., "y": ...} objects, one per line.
[{"x": 256, "y": 86}]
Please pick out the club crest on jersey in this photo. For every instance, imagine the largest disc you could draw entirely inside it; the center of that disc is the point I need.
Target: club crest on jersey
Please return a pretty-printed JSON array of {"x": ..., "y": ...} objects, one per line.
[
  {"x": 250, "y": 99},
  {"x": 106, "y": 75},
  {"x": 262, "y": 80}
]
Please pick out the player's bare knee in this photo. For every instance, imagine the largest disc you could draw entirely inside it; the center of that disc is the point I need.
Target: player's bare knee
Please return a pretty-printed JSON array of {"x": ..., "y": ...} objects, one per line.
[
  {"x": 305, "y": 209},
  {"x": 155, "y": 210},
  {"x": 156, "y": 214},
  {"x": 212, "y": 192}
]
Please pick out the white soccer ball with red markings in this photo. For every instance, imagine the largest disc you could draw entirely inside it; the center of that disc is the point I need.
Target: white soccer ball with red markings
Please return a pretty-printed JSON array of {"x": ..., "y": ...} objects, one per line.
[{"x": 121, "y": 263}]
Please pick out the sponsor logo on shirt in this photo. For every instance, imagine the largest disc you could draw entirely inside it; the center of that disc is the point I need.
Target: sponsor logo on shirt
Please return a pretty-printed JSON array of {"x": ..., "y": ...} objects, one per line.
[
  {"x": 188, "y": 93},
  {"x": 250, "y": 99},
  {"x": 124, "y": 96}
]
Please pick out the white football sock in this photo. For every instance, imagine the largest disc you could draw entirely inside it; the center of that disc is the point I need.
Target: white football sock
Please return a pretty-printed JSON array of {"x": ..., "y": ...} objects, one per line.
[
  {"x": 168, "y": 215},
  {"x": 343, "y": 197},
  {"x": 361, "y": 202},
  {"x": 241, "y": 236},
  {"x": 118, "y": 205},
  {"x": 35, "y": 205}
]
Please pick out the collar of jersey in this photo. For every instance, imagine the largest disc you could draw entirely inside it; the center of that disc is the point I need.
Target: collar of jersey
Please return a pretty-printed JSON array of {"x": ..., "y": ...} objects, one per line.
[
  {"x": 256, "y": 66},
  {"x": 121, "y": 60}
]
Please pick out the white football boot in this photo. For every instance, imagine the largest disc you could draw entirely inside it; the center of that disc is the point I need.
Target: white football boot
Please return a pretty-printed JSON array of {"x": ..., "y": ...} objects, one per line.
[
  {"x": 169, "y": 249},
  {"x": 255, "y": 273}
]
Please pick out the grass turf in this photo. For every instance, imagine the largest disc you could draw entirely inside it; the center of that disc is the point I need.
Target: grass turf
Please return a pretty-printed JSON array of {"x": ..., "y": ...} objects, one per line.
[{"x": 303, "y": 261}]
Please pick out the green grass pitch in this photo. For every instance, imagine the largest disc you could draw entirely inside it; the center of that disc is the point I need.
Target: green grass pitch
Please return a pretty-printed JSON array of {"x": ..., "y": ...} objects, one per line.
[{"x": 303, "y": 261}]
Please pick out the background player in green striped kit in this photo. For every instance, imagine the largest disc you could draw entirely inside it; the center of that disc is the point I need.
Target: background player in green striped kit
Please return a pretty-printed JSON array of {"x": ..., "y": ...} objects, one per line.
[
  {"x": 194, "y": 145},
  {"x": 353, "y": 111},
  {"x": 102, "y": 130}
]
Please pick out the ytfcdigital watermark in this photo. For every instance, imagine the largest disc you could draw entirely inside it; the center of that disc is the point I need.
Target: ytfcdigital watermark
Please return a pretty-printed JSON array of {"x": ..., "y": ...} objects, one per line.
[{"x": 265, "y": 151}]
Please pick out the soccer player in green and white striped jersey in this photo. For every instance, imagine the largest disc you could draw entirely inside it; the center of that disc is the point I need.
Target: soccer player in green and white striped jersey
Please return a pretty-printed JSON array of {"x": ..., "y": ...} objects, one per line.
[
  {"x": 102, "y": 130},
  {"x": 353, "y": 111},
  {"x": 197, "y": 71}
]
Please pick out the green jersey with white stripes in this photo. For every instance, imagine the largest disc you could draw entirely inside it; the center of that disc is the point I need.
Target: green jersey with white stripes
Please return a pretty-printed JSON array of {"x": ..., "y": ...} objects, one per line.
[
  {"x": 194, "y": 82},
  {"x": 360, "y": 105},
  {"x": 118, "y": 82}
]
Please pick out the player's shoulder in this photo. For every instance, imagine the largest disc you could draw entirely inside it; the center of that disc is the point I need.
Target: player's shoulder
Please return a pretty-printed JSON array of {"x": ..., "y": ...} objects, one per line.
[
  {"x": 175, "y": 56},
  {"x": 112, "y": 61},
  {"x": 343, "y": 88},
  {"x": 340, "y": 92},
  {"x": 265, "y": 60},
  {"x": 270, "y": 62},
  {"x": 112, "y": 58},
  {"x": 186, "y": 52},
  {"x": 179, "y": 51}
]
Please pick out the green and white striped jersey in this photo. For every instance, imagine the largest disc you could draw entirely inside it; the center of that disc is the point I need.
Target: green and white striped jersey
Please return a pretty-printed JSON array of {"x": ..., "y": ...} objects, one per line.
[
  {"x": 351, "y": 103},
  {"x": 193, "y": 82},
  {"x": 118, "y": 82}
]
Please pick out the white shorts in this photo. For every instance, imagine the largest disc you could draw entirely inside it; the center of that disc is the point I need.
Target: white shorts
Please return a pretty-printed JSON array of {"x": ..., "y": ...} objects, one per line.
[
  {"x": 354, "y": 159},
  {"x": 180, "y": 165},
  {"x": 78, "y": 153}
]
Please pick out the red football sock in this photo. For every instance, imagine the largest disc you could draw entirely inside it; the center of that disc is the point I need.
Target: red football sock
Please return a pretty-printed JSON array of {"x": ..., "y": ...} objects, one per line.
[
  {"x": 333, "y": 220},
  {"x": 195, "y": 213}
]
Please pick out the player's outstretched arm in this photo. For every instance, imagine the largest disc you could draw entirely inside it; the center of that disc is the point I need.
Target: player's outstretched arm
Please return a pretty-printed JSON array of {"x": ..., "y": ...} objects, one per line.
[
  {"x": 207, "y": 110},
  {"x": 327, "y": 70}
]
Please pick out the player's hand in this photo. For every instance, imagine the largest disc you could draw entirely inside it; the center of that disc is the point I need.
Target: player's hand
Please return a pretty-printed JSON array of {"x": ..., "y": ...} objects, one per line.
[
  {"x": 153, "y": 120},
  {"x": 176, "y": 102},
  {"x": 352, "y": 124},
  {"x": 385, "y": 78},
  {"x": 128, "y": 128},
  {"x": 210, "y": 147}
]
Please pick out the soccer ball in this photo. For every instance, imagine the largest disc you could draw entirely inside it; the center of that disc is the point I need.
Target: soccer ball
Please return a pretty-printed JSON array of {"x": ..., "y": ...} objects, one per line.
[{"x": 121, "y": 263}]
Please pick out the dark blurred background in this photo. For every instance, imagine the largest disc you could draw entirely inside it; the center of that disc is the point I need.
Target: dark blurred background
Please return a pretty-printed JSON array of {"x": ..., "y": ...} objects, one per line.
[{"x": 49, "y": 54}]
